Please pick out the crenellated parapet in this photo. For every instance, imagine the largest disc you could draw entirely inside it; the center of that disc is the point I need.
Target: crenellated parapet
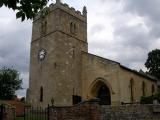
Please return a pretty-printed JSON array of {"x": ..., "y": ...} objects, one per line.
[{"x": 65, "y": 7}]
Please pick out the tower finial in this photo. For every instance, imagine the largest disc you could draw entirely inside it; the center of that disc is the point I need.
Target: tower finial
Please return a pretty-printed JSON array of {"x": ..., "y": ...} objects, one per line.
[
  {"x": 84, "y": 11},
  {"x": 58, "y": 1}
]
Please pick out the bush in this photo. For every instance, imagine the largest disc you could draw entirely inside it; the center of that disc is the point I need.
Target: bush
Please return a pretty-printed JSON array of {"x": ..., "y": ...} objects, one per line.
[
  {"x": 150, "y": 99},
  {"x": 146, "y": 100}
]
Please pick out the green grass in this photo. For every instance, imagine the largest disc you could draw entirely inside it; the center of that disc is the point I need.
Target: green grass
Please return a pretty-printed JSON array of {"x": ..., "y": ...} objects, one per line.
[
  {"x": 19, "y": 118},
  {"x": 32, "y": 118}
]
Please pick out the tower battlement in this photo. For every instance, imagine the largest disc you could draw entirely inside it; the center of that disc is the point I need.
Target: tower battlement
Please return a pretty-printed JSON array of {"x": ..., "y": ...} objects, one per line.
[{"x": 65, "y": 7}]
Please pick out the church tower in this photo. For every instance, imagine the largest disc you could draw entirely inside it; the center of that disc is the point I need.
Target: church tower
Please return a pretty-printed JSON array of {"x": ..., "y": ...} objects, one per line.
[{"x": 59, "y": 35}]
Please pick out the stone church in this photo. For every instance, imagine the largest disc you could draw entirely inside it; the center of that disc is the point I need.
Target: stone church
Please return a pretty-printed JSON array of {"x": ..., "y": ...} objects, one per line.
[{"x": 62, "y": 70}]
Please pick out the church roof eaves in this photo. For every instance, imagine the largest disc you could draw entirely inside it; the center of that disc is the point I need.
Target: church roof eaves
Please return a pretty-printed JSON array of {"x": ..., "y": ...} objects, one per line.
[
  {"x": 101, "y": 57},
  {"x": 126, "y": 68},
  {"x": 138, "y": 73}
]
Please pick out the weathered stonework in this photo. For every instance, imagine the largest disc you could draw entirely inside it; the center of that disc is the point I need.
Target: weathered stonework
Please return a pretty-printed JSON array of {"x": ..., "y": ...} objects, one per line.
[
  {"x": 88, "y": 110},
  {"x": 8, "y": 114},
  {"x": 68, "y": 69},
  {"x": 91, "y": 110},
  {"x": 129, "y": 112},
  {"x": 56, "y": 73},
  {"x": 115, "y": 76}
]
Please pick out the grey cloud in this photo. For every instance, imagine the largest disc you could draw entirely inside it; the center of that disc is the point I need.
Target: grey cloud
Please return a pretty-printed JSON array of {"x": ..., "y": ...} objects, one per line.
[
  {"x": 14, "y": 47},
  {"x": 97, "y": 28},
  {"x": 128, "y": 46},
  {"x": 148, "y": 8},
  {"x": 14, "y": 44},
  {"x": 132, "y": 36}
]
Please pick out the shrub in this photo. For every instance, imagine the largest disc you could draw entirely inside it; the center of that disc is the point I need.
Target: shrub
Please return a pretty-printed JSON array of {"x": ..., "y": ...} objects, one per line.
[{"x": 149, "y": 99}]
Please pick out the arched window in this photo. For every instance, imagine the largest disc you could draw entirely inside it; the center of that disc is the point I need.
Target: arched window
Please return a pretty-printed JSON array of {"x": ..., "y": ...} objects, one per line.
[
  {"x": 41, "y": 94},
  {"x": 75, "y": 28},
  {"x": 153, "y": 89},
  {"x": 143, "y": 88},
  {"x": 71, "y": 27},
  {"x": 131, "y": 90}
]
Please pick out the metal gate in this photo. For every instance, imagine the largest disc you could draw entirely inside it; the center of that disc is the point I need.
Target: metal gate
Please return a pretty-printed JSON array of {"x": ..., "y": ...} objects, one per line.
[{"x": 36, "y": 113}]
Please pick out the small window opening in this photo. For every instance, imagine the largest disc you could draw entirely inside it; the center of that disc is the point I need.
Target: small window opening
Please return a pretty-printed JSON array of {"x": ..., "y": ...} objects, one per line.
[
  {"x": 131, "y": 90},
  {"x": 75, "y": 28},
  {"x": 71, "y": 27},
  {"x": 73, "y": 52},
  {"x": 41, "y": 94},
  {"x": 44, "y": 27},
  {"x": 55, "y": 65},
  {"x": 143, "y": 88}
]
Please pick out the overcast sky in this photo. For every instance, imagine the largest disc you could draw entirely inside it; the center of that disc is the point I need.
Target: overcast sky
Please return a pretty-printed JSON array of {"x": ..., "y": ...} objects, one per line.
[{"x": 120, "y": 30}]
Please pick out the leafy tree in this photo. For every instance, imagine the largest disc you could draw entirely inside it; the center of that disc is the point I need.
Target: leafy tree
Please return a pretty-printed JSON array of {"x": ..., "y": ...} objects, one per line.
[
  {"x": 9, "y": 83},
  {"x": 24, "y": 8},
  {"x": 153, "y": 63}
]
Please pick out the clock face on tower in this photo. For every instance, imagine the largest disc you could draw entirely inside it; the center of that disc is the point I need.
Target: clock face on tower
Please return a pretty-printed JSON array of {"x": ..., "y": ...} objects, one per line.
[{"x": 41, "y": 54}]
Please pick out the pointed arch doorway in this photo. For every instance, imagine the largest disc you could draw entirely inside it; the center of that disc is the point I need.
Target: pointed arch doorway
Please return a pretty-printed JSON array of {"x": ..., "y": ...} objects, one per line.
[
  {"x": 101, "y": 91},
  {"x": 104, "y": 95}
]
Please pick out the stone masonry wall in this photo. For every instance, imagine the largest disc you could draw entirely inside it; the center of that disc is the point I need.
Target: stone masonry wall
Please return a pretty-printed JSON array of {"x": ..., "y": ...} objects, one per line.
[
  {"x": 130, "y": 112},
  {"x": 8, "y": 114},
  {"x": 89, "y": 110}
]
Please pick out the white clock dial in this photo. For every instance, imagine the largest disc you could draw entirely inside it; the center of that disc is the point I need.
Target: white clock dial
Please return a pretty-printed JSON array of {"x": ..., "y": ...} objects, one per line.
[{"x": 41, "y": 54}]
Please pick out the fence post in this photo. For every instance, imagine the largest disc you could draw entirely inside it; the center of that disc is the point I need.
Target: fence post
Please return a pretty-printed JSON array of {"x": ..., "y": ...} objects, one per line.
[
  {"x": 48, "y": 112},
  {"x": 1, "y": 112},
  {"x": 24, "y": 113}
]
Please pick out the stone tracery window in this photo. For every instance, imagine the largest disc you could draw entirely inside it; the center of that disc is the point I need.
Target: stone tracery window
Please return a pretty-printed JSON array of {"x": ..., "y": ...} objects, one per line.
[{"x": 73, "y": 28}]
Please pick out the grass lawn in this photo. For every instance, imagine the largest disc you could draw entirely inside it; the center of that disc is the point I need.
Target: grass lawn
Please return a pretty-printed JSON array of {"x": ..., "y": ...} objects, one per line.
[
  {"x": 19, "y": 118},
  {"x": 33, "y": 118}
]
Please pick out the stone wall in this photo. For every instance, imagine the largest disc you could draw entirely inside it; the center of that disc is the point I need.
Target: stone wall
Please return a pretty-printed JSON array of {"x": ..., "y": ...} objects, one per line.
[
  {"x": 89, "y": 110},
  {"x": 130, "y": 112},
  {"x": 8, "y": 114},
  {"x": 59, "y": 73},
  {"x": 97, "y": 70},
  {"x": 18, "y": 105}
]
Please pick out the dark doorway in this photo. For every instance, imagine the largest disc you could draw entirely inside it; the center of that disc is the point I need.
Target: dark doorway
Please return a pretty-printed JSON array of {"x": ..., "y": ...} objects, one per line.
[{"x": 104, "y": 95}]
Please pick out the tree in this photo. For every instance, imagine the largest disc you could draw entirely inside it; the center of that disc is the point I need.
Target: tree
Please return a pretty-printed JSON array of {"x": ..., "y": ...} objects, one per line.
[
  {"x": 24, "y": 8},
  {"x": 9, "y": 83},
  {"x": 153, "y": 63},
  {"x": 22, "y": 99}
]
